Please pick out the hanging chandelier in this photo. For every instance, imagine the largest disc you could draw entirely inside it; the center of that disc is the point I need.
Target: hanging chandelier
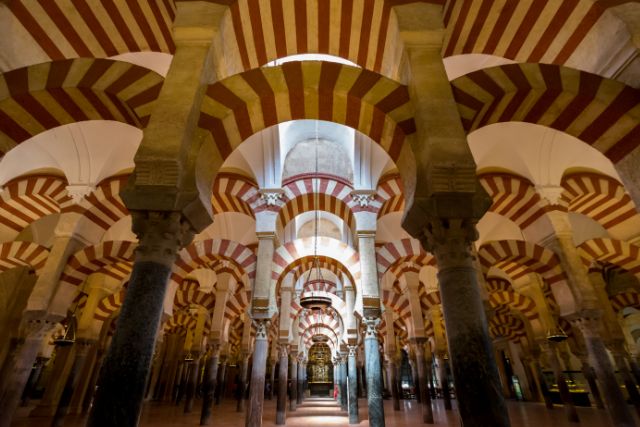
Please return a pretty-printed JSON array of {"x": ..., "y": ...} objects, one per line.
[
  {"x": 556, "y": 335},
  {"x": 312, "y": 300}
]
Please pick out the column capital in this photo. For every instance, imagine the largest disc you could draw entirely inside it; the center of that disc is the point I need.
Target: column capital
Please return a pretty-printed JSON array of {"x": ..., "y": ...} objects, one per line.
[
  {"x": 161, "y": 234},
  {"x": 589, "y": 322},
  {"x": 450, "y": 239},
  {"x": 37, "y": 325},
  {"x": 353, "y": 350},
  {"x": 371, "y": 324},
  {"x": 262, "y": 328}
]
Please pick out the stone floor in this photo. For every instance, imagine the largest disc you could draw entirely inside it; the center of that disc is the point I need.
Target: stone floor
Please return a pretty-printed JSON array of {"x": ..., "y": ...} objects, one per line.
[{"x": 324, "y": 412}]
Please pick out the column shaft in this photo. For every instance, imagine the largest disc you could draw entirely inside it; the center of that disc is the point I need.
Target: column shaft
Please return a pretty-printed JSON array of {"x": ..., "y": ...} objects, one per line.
[
  {"x": 354, "y": 417},
  {"x": 393, "y": 386},
  {"x": 244, "y": 367},
  {"x": 427, "y": 410},
  {"x": 192, "y": 381},
  {"x": 258, "y": 373},
  {"x": 293, "y": 396},
  {"x": 209, "y": 385},
  {"x": 300, "y": 382},
  {"x": 281, "y": 409},
  {"x": 343, "y": 385},
  {"x": 374, "y": 374}
]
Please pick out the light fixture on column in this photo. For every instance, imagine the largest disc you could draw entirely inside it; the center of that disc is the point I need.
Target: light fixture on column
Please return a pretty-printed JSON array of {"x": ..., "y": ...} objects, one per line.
[
  {"x": 313, "y": 300},
  {"x": 556, "y": 335},
  {"x": 68, "y": 336}
]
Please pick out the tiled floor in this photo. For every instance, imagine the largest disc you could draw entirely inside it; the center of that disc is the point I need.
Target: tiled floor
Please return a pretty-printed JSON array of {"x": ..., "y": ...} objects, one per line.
[{"x": 324, "y": 412}]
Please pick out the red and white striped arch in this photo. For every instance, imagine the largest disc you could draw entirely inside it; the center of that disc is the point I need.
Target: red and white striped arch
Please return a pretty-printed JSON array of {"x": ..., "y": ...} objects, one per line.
[
  {"x": 237, "y": 303},
  {"x": 109, "y": 305},
  {"x": 45, "y": 96},
  {"x": 291, "y": 254},
  {"x": 530, "y": 30},
  {"x": 599, "y": 197},
  {"x": 617, "y": 252},
  {"x": 236, "y": 193},
  {"x": 429, "y": 300},
  {"x": 330, "y": 319},
  {"x": 27, "y": 199},
  {"x": 320, "y": 286},
  {"x": 518, "y": 258},
  {"x": 207, "y": 252},
  {"x": 103, "y": 206},
  {"x": 399, "y": 331},
  {"x": 95, "y": 258},
  {"x": 180, "y": 323},
  {"x": 326, "y": 264},
  {"x": 361, "y": 31},
  {"x": 306, "y": 337},
  {"x": 507, "y": 326},
  {"x": 498, "y": 284},
  {"x": 515, "y": 301},
  {"x": 399, "y": 303},
  {"x": 393, "y": 255},
  {"x": 603, "y": 113},
  {"x": 333, "y": 196},
  {"x": 514, "y": 198},
  {"x": 22, "y": 254},
  {"x": 241, "y": 105},
  {"x": 390, "y": 193},
  {"x": 337, "y": 304},
  {"x": 189, "y": 292},
  {"x": 625, "y": 299},
  {"x": 66, "y": 29}
]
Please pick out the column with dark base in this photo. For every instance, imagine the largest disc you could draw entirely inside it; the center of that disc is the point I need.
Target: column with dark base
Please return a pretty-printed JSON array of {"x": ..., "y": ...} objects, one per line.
[
  {"x": 209, "y": 384},
  {"x": 293, "y": 396},
  {"x": 258, "y": 373},
  {"x": 423, "y": 383},
  {"x": 126, "y": 366}
]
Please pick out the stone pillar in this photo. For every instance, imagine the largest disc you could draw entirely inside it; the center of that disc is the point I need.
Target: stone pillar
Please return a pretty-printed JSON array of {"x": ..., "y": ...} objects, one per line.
[
  {"x": 283, "y": 366},
  {"x": 222, "y": 379},
  {"x": 587, "y": 371},
  {"x": 336, "y": 379},
  {"x": 362, "y": 386},
  {"x": 344, "y": 404},
  {"x": 244, "y": 367},
  {"x": 89, "y": 395},
  {"x": 62, "y": 365},
  {"x": 393, "y": 386},
  {"x": 82, "y": 351},
  {"x": 19, "y": 363},
  {"x": 589, "y": 324},
  {"x": 444, "y": 380},
  {"x": 414, "y": 377},
  {"x": 427, "y": 411},
  {"x": 301, "y": 367},
  {"x": 480, "y": 401},
  {"x": 293, "y": 397},
  {"x": 374, "y": 374},
  {"x": 34, "y": 377},
  {"x": 632, "y": 389},
  {"x": 209, "y": 384},
  {"x": 192, "y": 383},
  {"x": 272, "y": 378},
  {"x": 565, "y": 395},
  {"x": 354, "y": 417},
  {"x": 258, "y": 373},
  {"x": 126, "y": 367}
]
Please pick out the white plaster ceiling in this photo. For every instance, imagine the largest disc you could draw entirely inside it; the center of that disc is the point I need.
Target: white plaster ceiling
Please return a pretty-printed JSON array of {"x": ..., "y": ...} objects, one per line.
[
  {"x": 121, "y": 230},
  {"x": 85, "y": 152},
  {"x": 231, "y": 226},
  {"x": 496, "y": 227},
  {"x": 390, "y": 228},
  {"x": 459, "y": 65}
]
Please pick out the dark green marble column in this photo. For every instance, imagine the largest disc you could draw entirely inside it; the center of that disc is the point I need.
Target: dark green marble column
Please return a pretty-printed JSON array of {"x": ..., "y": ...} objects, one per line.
[
  {"x": 354, "y": 418},
  {"x": 374, "y": 372},
  {"x": 126, "y": 367}
]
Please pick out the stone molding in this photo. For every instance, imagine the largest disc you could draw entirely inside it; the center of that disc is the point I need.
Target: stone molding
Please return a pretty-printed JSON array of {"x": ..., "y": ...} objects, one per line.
[{"x": 161, "y": 234}]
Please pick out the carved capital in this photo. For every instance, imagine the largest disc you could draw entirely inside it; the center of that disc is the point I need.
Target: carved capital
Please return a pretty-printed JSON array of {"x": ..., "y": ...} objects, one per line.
[
  {"x": 78, "y": 192},
  {"x": 283, "y": 351},
  {"x": 371, "y": 324},
  {"x": 272, "y": 196},
  {"x": 262, "y": 328},
  {"x": 161, "y": 235},
  {"x": 353, "y": 350},
  {"x": 35, "y": 326},
  {"x": 589, "y": 322},
  {"x": 450, "y": 240},
  {"x": 363, "y": 198}
]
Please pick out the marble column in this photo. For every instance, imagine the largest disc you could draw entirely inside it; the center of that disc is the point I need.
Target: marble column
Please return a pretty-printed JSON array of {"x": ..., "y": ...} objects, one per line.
[
  {"x": 565, "y": 395},
  {"x": 362, "y": 387},
  {"x": 480, "y": 401},
  {"x": 283, "y": 366},
  {"x": 244, "y": 367},
  {"x": 392, "y": 383},
  {"x": 354, "y": 417},
  {"x": 374, "y": 374},
  {"x": 625, "y": 373},
  {"x": 209, "y": 384},
  {"x": 192, "y": 383},
  {"x": 301, "y": 370},
  {"x": 336, "y": 379},
  {"x": 444, "y": 381},
  {"x": 82, "y": 351},
  {"x": 544, "y": 388},
  {"x": 258, "y": 373},
  {"x": 222, "y": 379},
  {"x": 34, "y": 377},
  {"x": 272, "y": 378},
  {"x": 293, "y": 397},
  {"x": 344, "y": 404},
  {"x": 587, "y": 371},
  {"x": 427, "y": 410},
  {"x": 93, "y": 380},
  {"x": 414, "y": 377},
  {"x": 589, "y": 323},
  {"x": 126, "y": 367}
]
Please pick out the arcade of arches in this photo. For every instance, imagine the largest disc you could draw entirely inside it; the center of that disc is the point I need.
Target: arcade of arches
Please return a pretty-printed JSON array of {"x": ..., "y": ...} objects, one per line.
[{"x": 454, "y": 183}]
